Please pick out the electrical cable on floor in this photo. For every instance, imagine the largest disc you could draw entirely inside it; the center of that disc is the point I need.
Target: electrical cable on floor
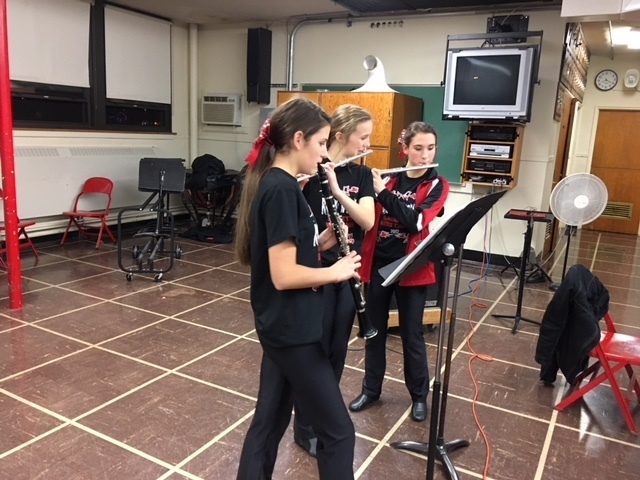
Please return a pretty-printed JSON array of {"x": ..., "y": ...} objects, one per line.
[
  {"x": 550, "y": 256},
  {"x": 482, "y": 357}
]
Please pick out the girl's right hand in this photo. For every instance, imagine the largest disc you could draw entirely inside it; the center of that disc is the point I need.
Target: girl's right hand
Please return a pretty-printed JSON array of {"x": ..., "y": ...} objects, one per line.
[{"x": 346, "y": 267}]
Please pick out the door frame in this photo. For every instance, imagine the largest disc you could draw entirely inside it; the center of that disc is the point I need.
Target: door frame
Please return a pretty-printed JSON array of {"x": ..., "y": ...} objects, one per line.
[{"x": 571, "y": 105}]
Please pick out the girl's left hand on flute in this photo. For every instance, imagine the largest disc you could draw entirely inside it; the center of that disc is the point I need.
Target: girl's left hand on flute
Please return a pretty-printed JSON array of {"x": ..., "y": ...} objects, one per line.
[
  {"x": 378, "y": 182},
  {"x": 303, "y": 179}
]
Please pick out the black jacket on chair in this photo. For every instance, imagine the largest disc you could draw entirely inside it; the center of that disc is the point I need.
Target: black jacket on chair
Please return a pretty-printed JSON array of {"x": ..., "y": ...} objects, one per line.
[{"x": 570, "y": 328}]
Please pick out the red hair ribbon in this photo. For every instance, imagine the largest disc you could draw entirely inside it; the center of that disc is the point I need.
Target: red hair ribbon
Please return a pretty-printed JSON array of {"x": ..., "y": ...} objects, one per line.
[
  {"x": 401, "y": 153},
  {"x": 401, "y": 137},
  {"x": 264, "y": 138}
]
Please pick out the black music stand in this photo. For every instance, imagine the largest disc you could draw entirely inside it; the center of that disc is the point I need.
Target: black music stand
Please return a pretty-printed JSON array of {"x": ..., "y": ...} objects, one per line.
[
  {"x": 160, "y": 177},
  {"x": 440, "y": 246},
  {"x": 522, "y": 279}
]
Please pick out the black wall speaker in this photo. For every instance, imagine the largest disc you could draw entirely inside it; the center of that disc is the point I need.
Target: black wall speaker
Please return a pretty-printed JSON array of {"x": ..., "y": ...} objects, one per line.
[{"x": 259, "y": 66}]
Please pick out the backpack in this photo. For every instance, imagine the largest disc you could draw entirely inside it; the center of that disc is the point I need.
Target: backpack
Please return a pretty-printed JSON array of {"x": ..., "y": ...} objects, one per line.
[{"x": 202, "y": 167}]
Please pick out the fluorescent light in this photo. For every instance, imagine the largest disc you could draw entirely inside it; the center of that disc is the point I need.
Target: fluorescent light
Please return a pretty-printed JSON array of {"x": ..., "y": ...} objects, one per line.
[
  {"x": 633, "y": 40},
  {"x": 620, "y": 35}
]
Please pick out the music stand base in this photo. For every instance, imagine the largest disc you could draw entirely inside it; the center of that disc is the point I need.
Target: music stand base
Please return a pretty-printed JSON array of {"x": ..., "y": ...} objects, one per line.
[
  {"x": 442, "y": 452},
  {"x": 517, "y": 319},
  {"x": 538, "y": 275},
  {"x": 510, "y": 266}
]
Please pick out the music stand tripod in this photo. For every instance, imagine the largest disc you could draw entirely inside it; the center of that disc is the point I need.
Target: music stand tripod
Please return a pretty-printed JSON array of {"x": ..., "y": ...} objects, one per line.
[
  {"x": 440, "y": 246},
  {"x": 521, "y": 281}
]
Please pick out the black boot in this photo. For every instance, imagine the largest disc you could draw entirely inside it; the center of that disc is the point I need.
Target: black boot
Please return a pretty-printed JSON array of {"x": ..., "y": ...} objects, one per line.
[{"x": 305, "y": 438}]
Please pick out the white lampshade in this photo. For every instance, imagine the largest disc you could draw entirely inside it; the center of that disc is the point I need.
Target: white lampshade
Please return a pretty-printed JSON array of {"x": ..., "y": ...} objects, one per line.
[{"x": 631, "y": 78}]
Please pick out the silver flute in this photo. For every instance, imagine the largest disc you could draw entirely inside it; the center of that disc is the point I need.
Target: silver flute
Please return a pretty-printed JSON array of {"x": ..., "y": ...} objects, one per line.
[
  {"x": 389, "y": 171},
  {"x": 339, "y": 164}
]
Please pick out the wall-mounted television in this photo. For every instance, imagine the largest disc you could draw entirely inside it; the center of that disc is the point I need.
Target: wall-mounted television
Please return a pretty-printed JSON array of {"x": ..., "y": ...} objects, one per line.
[{"x": 490, "y": 83}]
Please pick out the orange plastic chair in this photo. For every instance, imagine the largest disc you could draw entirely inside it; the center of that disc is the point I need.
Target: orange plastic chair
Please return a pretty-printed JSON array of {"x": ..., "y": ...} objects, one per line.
[
  {"x": 22, "y": 234},
  {"x": 614, "y": 352},
  {"x": 93, "y": 186}
]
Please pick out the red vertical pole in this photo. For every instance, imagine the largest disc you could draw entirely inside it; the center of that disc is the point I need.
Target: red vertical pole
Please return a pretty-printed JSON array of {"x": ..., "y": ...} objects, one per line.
[{"x": 8, "y": 168}]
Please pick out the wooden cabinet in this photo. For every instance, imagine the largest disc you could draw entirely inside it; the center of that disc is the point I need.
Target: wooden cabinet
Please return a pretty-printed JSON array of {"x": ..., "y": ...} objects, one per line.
[
  {"x": 391, "y": 113},
  {"x": 492, "y": 154}
]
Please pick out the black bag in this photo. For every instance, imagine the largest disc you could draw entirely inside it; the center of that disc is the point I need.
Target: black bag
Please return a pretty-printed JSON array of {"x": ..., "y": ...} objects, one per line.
[{"x": 202, "y": 167}]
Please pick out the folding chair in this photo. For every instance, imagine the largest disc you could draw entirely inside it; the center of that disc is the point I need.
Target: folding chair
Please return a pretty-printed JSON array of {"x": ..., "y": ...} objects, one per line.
[
  {"x": 26, "y": 243},
  {"x": 92, "y": 186},
  {"x": 614, "y": 352}
]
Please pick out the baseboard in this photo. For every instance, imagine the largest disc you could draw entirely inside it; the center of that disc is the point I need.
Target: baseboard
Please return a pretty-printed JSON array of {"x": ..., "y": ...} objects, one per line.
[
  {"x": 51, "y": 232},
  {"x": 494, "y": 259}
]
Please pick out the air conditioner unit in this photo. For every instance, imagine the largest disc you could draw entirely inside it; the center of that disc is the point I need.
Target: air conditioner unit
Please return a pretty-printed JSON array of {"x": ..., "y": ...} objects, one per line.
[{"x": 222, "y": 109}]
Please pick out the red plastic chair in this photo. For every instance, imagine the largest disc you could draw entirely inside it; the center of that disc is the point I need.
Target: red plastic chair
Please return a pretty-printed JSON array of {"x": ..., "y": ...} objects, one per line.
[
  {"x": 93, "y": 186},
  {"x": 22, "y": 234},
  {"x": 614, "y": 352}
]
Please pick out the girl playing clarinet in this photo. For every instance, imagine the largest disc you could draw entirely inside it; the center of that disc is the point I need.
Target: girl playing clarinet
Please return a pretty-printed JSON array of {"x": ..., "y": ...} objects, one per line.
[
  {"x": 407, "y": 203},
  {"x": 352, "y": 189},
  {"x": 278, "y": 236}
]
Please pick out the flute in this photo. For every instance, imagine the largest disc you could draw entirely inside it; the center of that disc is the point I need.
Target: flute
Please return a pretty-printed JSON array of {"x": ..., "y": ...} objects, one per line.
[
  {"x": 340, "y": 164},
  {"x": 389, "y": 171}
]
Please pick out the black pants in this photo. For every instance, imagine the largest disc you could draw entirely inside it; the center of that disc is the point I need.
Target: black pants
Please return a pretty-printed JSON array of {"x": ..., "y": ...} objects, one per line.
[
  {"x": 339, "y": 313},
  {"x": 410, "y": 311},
  {"x": 305, "y": 372}
]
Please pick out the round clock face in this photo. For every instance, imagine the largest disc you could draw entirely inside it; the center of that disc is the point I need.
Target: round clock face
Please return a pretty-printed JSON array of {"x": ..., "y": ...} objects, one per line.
[{"x": 606, "y": 80}]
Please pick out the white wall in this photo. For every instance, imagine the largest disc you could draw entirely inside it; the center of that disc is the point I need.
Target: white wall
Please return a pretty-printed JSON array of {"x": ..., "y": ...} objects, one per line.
[
  {"x": 70, "y": 181},
  {"x": 222, "y": 59},
  {"x": 412, "y": 55}
]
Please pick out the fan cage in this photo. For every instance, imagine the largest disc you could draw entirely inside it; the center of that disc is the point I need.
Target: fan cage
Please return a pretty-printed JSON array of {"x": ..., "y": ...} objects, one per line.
[{"x": 579, "y": 199}]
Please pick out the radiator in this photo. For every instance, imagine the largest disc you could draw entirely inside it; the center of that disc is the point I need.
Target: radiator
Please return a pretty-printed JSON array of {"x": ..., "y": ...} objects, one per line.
[{"x": 49, "y": 178}]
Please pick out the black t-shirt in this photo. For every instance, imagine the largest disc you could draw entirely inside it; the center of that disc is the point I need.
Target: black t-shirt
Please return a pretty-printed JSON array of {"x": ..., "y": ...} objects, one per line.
[
  {"x": 401, "y": 216},
  {"x": 357, "y": 182},
  {"x": 279, "y": 213}
]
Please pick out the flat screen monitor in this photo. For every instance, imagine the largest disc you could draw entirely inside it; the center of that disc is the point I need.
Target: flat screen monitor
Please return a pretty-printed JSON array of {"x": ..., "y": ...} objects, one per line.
[{"x": 489, "y": 83}]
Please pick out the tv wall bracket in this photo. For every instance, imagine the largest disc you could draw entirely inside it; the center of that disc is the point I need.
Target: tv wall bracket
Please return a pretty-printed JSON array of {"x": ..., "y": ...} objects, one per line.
[{"x": 490, "y": 38}]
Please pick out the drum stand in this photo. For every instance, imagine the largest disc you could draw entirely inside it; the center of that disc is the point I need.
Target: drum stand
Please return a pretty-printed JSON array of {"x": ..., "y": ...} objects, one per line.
[{"x": 521, "y": 281}]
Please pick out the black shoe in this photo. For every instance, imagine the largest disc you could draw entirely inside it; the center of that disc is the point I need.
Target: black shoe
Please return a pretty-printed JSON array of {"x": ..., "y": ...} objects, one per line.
[
  {"x": 419, "y": 411},
  {"x": 361, "y": 402},
  {"x": 309, "y": 445}
]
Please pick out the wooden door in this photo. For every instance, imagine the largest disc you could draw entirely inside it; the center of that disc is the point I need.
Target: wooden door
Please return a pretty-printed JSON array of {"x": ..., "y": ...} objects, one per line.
[
  {"x": 283, "y": 96},
  {"x": 378, "y": 159},
  {"x": 378, "y": 104},
  {"x": 616, "y": 162}
]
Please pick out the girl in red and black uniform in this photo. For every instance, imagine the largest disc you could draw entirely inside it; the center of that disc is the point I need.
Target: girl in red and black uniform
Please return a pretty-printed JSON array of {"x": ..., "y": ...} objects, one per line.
[
  {"x": 351, "y": 128},
  {"x": 407, "y": 203},
  {"x": 278, "y": 236}
]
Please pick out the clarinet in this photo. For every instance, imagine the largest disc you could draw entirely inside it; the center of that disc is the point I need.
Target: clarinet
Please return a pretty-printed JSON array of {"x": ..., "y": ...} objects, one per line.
[{"x": 365, "y": 329}]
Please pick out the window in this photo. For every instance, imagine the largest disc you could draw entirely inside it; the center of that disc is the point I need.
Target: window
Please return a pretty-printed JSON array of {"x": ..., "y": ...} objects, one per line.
[{"x": 80, "y": 65}]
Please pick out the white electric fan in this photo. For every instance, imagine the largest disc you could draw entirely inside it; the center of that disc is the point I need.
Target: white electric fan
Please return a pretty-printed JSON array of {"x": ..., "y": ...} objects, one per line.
[{"x": 576, "y": 200}]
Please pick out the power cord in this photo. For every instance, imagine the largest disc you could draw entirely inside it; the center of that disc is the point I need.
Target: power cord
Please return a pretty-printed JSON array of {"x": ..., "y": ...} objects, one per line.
[{"x": 475, "y": 355}]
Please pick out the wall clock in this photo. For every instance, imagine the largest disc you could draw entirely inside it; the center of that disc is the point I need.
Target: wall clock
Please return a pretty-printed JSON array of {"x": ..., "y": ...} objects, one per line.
[{"x": 606, "y": 80}]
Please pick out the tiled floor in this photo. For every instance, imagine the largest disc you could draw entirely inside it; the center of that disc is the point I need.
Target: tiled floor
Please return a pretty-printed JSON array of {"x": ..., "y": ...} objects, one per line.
[{"x": 101, "y": 378}]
